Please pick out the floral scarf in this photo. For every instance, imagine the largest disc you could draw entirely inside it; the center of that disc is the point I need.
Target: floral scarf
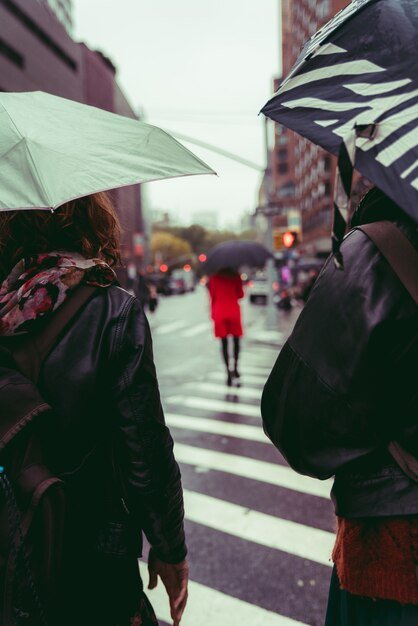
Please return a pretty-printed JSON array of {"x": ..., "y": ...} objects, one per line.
[{"x": 39, "y": 284}]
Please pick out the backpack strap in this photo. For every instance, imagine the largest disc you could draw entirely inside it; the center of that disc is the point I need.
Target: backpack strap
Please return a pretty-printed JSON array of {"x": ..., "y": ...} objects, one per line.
[
  {"x": 397, "y": 250},
  {"x": 30, "y": 353},
  {"x": 403, "y": 258}
]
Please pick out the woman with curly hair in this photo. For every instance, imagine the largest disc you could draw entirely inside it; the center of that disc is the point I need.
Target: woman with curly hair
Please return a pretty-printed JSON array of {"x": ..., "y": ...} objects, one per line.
[{"x": 100, "y": 380}]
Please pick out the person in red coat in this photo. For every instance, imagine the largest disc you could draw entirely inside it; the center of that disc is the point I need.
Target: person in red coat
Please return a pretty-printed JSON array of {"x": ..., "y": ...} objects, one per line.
[{"x": 225, "y": 289}]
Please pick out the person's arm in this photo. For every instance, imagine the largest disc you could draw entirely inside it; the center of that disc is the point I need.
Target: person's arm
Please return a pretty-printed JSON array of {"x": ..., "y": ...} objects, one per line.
[
  {"x": 240, "y": 288},
  {"x": 327, "y": 402},
  {"x": 145, "y": 451}
]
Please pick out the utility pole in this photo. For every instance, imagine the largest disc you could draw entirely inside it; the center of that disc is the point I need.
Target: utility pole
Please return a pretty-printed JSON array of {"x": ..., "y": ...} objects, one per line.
[{"x": 269, "y": 211}]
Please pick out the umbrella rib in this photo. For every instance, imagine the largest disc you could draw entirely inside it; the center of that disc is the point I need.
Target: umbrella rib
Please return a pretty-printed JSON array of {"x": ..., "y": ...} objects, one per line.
[
  {"x": 37, "y": 175},
  {"x": 23, "y": 139},
  {"x": 12, "y": 121}
]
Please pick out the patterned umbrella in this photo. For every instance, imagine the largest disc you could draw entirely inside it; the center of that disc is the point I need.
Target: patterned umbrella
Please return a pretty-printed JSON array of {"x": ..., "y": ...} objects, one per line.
[{"x": 354, "y": 91}]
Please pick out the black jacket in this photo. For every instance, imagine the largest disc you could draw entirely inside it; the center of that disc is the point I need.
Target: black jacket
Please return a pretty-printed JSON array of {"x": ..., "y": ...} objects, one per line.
[
  {"x": 108, "y": 438},
  {"x": 345, "y": 383}
]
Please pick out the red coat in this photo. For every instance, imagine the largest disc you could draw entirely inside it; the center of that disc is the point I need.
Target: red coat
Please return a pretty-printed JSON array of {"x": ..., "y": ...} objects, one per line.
[{"x": 225, "y": 291}]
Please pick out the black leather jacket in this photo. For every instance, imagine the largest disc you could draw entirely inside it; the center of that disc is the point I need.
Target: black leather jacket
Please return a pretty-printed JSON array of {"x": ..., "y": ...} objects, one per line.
[
  {"x": 345, "y": 384},
  {"x": 100, "y": 380}
]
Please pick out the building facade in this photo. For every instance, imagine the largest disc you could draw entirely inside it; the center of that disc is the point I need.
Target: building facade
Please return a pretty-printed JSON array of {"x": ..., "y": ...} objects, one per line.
[
  {"x": 38, "y": 53},
  {"x": 63, "y": 10},
  {"x": 302, "y": 173}
]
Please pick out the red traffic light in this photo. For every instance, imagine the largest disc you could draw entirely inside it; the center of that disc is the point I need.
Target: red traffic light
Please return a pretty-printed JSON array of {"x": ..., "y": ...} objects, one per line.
[
  {"x": 289, "y": 239},
  {"x": 202, "y": 258},
  {"x": 187, "y": 267},
  {"x": 163, "y": 268}
]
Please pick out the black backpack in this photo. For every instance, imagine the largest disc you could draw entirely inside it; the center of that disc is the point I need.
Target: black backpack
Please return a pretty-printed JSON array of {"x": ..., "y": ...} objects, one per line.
[{"x": 32, "y": 498}]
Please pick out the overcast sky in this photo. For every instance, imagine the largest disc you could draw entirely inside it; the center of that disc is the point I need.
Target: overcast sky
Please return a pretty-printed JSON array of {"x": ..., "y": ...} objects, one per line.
[{"x": 200, "y": 67}]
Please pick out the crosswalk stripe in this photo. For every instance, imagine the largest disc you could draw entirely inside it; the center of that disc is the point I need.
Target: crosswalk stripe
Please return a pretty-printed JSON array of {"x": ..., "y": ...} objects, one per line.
[
  {"x": 216, "y": 427},
  {"x": 255, "y": 370},
  {"x": 196, "y": 330},
  {"x": 241, "y": 392},
  {"x": 272, "y": 473},
  {"x": 208, "y": 404},
  {"x": 250, "y": 379},
  {"x": 165, "y": 329},
  {"x": 209, "y": 607},
  {"x": 273, "y": 532}
]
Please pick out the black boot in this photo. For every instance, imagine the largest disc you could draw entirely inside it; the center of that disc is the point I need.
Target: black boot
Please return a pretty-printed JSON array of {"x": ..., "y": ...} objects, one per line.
[{"x": 229, "y": 379}]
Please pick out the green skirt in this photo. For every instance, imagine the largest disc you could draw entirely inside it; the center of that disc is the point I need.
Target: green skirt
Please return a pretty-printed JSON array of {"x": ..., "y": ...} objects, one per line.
[{"x": 346, "y": 609}]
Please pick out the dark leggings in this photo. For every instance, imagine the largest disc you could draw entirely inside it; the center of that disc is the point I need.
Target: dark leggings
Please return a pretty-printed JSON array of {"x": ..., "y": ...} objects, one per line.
[{"x": 225, "y": 352}]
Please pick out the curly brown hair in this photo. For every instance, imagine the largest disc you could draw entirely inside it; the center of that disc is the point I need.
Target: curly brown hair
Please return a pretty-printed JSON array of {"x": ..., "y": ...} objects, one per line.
[{"x": 89, "y": 226}]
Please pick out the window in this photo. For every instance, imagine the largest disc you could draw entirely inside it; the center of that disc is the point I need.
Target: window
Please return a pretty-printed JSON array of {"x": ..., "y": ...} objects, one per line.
[
  {"x": 327, "y": 188},
  {"x": 282, "y": 154},
  {"x": 282, "y": 168},
  {"x": 38, "y": 32},
  {"x": 12, "y": 54}
]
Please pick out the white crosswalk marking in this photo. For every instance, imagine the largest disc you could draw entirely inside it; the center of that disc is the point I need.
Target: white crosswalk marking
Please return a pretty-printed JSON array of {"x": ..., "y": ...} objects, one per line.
[
  {"x": 208, "y": 404},
  {"x": 166, "y": 329},
  {"x": 266, "y": 530},
  {"x": 229, "y": 470},
  {"x": 271, "y": 473},
  {"x": 209, "y": 607},
  {"x": 250, "y": 379},
  {"x": 255, "y": 370},
  {"x": 196, "y": 330},
  {"x": 241, "y": 392},
  {"x": 216, "y": 427}
]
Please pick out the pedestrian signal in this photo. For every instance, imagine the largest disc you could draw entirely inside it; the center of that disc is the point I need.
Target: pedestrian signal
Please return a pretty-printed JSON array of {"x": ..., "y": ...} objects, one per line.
[
  {"x": 284, "y": 238},
  {"x": 163, "y": 268},
  {"x": 290, "y": 239}
]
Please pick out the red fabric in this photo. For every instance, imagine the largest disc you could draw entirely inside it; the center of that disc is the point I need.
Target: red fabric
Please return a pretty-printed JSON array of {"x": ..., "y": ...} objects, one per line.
[
  {"x": 377, "y": 558},
  {"x": 225, "y": 292}
]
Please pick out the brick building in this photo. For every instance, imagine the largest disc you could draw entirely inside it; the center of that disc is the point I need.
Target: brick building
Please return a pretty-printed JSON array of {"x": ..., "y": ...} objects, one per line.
[
  {"x": 302, "y": 173},
  {"x": 38, "y": 53}
]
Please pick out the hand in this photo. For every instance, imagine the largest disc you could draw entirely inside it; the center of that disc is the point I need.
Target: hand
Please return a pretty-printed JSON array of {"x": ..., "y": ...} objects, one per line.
[{"x": 175, "y": 579}]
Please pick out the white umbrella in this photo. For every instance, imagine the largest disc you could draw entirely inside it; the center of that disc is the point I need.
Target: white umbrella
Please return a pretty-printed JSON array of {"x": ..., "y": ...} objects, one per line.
[{"x": 53, "y": 150}]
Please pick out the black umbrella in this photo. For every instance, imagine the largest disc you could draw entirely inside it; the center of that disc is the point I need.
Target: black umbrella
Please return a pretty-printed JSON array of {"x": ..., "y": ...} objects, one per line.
[
  {"x": 233, "y": 254},
  {"x": 354, "y": 91}
]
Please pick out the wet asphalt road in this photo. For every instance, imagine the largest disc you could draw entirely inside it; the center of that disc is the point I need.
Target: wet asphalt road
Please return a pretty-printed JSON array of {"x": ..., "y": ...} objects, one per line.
[{"x": 259, "y": 536}]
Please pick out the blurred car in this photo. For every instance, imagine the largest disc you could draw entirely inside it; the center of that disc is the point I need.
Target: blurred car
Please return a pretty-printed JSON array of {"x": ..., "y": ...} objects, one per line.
[
  {"x": 181, "y": 281},
  {"x": 160, "y": 281},
  {"x": 257, "y": 289},
  {"x": 176, "y": 286}
]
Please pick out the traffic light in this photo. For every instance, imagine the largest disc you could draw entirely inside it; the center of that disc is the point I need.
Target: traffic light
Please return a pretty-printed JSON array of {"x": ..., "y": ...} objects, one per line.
[
  {"x": 283, "y": 238},
  {"x": 202, "y": 258},
  {"x": 290, "y": 239}
]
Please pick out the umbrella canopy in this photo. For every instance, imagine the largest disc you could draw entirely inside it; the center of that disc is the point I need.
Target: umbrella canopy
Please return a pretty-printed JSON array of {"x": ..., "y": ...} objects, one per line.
[
  {"x": 53, "y": 150},
  {"x": 235, "y": 253},
  {"x": 355, "y": 88}
]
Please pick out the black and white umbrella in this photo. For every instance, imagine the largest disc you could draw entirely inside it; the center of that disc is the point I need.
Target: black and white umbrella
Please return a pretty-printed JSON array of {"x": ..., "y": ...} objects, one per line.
[
  {"x": 354, "y": 91},
  {"x": 233, "y": 254}
]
